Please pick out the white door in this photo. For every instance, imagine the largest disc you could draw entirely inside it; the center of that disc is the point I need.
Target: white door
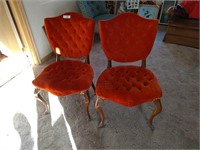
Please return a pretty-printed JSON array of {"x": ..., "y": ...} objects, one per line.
[{"x": 12, "y": 58}]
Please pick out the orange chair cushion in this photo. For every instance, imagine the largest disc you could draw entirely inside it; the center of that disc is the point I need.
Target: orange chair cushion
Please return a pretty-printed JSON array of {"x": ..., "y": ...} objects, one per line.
[
  {"x": 127, "y": 37},
  {"x": 128, "y": 85},
  {"x": 73, "y": 36},
  {"x": 65, "y": 77}
]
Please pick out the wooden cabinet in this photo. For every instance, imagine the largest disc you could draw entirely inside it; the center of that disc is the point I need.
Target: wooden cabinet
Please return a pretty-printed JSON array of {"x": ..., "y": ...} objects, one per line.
[{"x": 183, "y": 31}]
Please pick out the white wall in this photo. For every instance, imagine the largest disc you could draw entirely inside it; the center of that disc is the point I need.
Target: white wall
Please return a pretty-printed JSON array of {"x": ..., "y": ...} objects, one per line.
[{"x": 37, "y": 10}]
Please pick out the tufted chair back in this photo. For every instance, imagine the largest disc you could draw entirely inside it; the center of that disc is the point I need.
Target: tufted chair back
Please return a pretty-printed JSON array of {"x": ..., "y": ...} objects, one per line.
[
  {"x": 70, "y": 34},
  {"x": 92, "y": 9},
  {"x": 127, "y": 37},
  {"x": 95, "y": 10}
]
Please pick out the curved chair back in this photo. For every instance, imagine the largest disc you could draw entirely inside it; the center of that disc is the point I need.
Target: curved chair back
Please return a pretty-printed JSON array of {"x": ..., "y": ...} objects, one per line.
[
  {"x": 75, "y": 37},
  {"x": 133, "y": 40}
]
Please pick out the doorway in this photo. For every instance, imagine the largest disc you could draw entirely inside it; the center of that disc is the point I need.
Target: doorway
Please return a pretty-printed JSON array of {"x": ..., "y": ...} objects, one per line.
[{"x": 13, "y": 59}]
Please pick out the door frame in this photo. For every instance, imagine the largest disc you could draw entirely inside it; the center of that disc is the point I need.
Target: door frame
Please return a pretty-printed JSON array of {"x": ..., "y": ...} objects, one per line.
[{"x": 29, "y": 46}]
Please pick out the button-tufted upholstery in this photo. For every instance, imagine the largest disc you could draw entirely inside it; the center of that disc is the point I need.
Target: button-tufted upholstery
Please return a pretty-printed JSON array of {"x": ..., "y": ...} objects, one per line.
[
  {"x": 128, "y": 85},
  {"x": 65, "y": 77},
  {"x": 71, "y": 36},
  {"x": 74, "y": 37},
  {"x": 128, "y": 38},
  {"x": 92, "y": 8},
  {"x": 95, "y": 10}
]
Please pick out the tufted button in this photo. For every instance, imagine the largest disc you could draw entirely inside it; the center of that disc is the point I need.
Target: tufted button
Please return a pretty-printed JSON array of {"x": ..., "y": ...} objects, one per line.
[
  {"x": 145, "y": 84},
  {"x": 61, "y": 29}
]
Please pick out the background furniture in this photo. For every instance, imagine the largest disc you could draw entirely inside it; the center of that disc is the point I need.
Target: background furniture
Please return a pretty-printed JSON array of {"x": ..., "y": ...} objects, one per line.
[
  {"x": 71, "y": 36},
  {"x": 148, "y": 11},
  {"x": 130, "y": 39},
  {"x": 164, "y": 16},
  {"x": 183, "y": 31},
  {"x": 163, "y": 5},
  {"x": 95, "y": 10}
]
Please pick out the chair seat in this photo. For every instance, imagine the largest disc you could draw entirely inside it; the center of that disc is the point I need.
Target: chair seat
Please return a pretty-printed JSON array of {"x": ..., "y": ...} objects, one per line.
[
  {"x": 65, "y": 77},
  {"x": 128, "y": 85}
]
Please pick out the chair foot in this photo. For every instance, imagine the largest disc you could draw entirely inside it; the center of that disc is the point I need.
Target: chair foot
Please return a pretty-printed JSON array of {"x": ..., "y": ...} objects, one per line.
[
  {"x": 100, "y": 111},
  {"x": 87, "y": 103},
  {"x": 157, "y": 110},
  {"x": 40, "y": 98}
]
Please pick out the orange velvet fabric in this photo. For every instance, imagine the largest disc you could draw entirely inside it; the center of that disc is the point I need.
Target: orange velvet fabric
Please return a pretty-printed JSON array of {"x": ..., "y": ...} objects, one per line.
[
  {"x": 73, "y": 36},
  {"x": 191, "y": 7},
  {"x": 128, "y": 85},
  {"x": 70, "y": 35},
  {"x": 65, "y": 77},
  {"x": 127, "y": 37}
]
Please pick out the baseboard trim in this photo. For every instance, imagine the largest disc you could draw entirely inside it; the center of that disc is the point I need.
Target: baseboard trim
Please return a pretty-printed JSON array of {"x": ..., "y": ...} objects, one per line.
[{"x": 47, "y": 57}]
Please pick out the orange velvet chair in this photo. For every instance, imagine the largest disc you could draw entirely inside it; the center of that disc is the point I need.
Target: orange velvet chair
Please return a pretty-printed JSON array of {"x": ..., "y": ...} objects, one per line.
[
  {"x": 128, "y": 38},
  {"x": 70, "y": 35}
]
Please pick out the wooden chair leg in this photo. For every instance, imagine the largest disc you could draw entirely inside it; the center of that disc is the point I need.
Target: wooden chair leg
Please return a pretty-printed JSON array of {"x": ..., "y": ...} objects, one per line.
[
  {"x": 40, "y": 98},
  {"x": 93, "y": 86},
  {"x": 157, "y": 110},
  {"x": 100, "y": 111},
  {"x": 87, "y": 103}
]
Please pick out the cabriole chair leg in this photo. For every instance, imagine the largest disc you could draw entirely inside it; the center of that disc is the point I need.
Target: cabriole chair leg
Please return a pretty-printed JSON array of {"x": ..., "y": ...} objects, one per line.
[
  {"x": 40, "y": 98},
  {"x": 157, "y": 110},
  {"x": 100, "y": 111},
  {"x": 87, "y": 103},
  {"x": 93, "y": 87}
]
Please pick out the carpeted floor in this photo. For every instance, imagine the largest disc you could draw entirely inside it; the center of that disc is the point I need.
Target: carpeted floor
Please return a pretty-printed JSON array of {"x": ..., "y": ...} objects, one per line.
[{"x": 24, "y": 126}]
